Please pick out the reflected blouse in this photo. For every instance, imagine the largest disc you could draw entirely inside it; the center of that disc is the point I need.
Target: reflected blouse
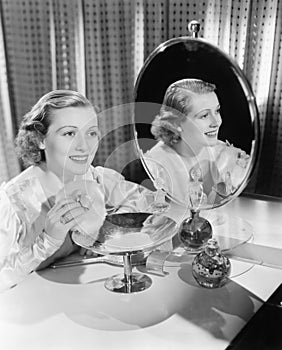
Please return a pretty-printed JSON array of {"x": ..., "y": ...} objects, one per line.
[
  {"x": 24, "y": 204},
  {"x": 174, "y": 170}
]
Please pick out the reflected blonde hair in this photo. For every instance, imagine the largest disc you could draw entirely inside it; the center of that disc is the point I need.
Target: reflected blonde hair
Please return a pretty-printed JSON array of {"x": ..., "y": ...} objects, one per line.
[{"x": 177, "y": 104}]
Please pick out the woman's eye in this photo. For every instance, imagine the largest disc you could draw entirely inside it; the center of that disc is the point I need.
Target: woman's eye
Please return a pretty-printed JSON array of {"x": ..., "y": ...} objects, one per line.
[
  {"x": 203, "y": 116},
  {"x": 93, "y": 133},
  {"x": 69, "y": 133},
  {"x": 217, "y": 111}
]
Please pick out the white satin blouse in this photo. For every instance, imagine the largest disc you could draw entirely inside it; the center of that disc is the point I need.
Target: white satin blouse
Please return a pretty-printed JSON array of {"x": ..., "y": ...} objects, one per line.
[{"x": 24, "y": 204}]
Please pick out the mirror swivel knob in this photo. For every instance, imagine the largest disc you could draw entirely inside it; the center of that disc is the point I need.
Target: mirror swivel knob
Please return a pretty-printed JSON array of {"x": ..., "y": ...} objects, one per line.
[{"x": 194, "y": 28}]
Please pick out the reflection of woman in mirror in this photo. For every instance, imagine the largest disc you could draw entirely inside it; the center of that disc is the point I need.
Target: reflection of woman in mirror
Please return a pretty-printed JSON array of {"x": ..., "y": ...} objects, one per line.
[
  {"x": 187, "y": 130},
  {"x": 60, "y": 191}
]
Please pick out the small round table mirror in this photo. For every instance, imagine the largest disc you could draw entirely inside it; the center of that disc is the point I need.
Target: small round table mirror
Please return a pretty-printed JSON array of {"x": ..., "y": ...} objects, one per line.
[{"x": 196, "y": 129}]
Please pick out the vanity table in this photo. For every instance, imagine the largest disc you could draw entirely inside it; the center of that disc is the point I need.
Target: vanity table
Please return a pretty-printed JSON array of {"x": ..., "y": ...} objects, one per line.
[{"x": 69, "y": 308}]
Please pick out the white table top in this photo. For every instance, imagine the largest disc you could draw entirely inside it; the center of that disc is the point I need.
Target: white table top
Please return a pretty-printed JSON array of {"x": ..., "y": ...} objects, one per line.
[{"x": 69, "y": 308}]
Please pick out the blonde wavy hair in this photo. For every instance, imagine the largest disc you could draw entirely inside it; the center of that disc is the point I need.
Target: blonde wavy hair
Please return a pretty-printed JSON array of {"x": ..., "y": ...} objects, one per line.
[
  {"x": 177, "y": 104},
  {"x": 36, "y": 122}
]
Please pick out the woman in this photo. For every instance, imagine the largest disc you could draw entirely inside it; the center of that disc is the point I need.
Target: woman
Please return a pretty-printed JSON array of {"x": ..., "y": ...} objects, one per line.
[
  {"x": 187, "y": 130},
  {"x": 60, "y": 191}
]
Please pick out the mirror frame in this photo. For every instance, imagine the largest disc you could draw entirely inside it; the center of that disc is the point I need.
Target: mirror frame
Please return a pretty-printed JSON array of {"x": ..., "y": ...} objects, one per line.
[{"x": 245, "y": 86}]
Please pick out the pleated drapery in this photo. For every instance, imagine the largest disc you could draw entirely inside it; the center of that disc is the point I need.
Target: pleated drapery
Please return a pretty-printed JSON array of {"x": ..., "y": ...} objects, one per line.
[
  {"x": 9, "y": 166},
  {"x": 98, "y": 47}
]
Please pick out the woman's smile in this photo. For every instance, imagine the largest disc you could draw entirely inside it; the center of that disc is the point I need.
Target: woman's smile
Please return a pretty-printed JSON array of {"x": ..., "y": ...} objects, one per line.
[
  {"x": 79, "y": 159},
  {"x": 73, "y": 132},
  {"x": 212, "y": 134}
]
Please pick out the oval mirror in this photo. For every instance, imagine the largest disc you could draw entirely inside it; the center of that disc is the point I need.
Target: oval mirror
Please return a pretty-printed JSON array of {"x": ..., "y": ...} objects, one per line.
[{"x": 222, "y": 118}]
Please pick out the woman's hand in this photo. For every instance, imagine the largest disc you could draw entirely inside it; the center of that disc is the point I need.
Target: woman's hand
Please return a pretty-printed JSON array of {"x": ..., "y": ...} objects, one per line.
[
  {"x": 63, "y": 217},
  {"x": 79, "y": 207},
  {"x": 91, "y": 199},
  {"x": 86, "y": 252},
  {"x": 90, "y": 222}
]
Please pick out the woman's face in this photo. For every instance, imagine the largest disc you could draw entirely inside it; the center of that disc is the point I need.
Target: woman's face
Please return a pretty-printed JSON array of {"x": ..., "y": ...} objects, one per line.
[
  {"x": 71, "y": 141},
  {"x": 201, "y": 126}
]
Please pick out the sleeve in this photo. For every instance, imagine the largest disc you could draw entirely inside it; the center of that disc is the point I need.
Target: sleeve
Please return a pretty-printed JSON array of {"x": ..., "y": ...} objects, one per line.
[
  {"x": 121, "y": 195},
  {"x": 16, "y": 262},
  {"x": 9, "y": 224}
]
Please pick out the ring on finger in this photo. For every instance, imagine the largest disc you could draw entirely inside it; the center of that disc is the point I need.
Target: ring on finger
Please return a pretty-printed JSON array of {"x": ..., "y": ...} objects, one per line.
[
  {"x": 66, "y": 218},
  {"x": 85, "y": 202}
]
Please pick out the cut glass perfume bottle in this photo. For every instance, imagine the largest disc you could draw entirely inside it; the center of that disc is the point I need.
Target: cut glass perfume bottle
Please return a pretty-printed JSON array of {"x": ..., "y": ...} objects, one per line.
[{"x": 210, "y": 267}]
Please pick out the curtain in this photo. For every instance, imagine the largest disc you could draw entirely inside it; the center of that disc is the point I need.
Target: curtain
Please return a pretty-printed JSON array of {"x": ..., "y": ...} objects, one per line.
[
  {"x": 269, "y": 179},
  {"x": 113, "y": 56},
  {"x": 98, "y": 47},
  {"x": 9, "y": 165}
]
